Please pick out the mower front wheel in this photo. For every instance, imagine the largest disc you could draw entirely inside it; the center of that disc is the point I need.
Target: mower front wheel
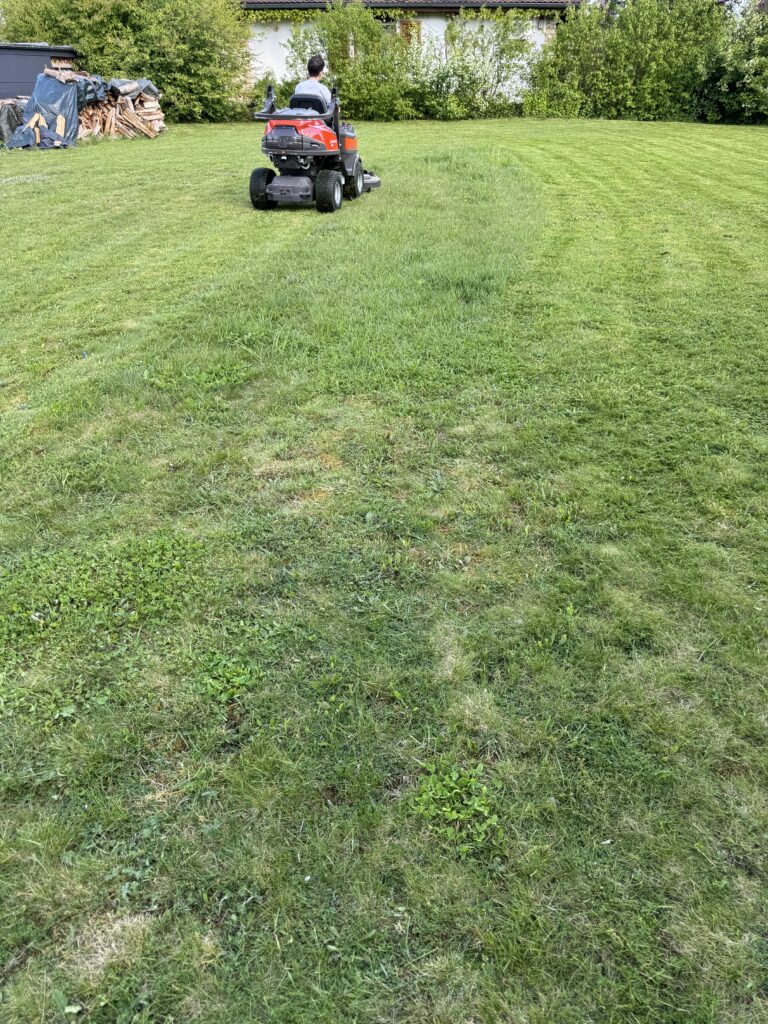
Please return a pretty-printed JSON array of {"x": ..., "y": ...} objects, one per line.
[
  {"x": 355, "y": 184},
  {"x": 329, "y": 191},
  {"x": 260, "y": 180}
]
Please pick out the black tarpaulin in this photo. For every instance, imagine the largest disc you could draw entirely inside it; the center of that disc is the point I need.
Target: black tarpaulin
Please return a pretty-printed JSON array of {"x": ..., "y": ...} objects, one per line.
[
  {"x": 10, "y": 119},
  {"x": 50, "y": 116},
  {"x": 132, "y": 87},
  {"x": 90, "y": 89}
]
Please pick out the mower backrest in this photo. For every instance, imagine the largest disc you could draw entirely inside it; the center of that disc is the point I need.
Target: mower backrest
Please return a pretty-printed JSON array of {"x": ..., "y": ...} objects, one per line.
[{"x": 299, "y": 102}]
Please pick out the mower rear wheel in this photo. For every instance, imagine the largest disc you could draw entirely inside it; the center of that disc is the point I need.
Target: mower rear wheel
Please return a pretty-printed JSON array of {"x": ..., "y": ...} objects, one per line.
[
  {"x": 355, "y": 184},
  {"x": 329, "y": 191},
  {"x": 260, "y": 179}
]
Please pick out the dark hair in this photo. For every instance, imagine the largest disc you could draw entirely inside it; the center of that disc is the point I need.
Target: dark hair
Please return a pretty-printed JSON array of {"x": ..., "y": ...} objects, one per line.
[{"x": 315, "y": 65}]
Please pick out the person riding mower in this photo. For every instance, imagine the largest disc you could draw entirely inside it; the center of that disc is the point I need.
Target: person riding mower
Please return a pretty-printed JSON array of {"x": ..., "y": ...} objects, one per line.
[{"x": 314, "y": 152}]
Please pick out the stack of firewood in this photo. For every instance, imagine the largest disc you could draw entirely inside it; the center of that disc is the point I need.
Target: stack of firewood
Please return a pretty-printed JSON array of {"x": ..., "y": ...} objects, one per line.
[
  {"x": 122, "y": 117},
  {"x": 117, "y": 116}
]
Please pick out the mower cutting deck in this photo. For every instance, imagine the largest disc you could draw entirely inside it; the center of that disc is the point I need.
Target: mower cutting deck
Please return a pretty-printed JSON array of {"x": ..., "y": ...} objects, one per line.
[{"x": 315, "y": 155}]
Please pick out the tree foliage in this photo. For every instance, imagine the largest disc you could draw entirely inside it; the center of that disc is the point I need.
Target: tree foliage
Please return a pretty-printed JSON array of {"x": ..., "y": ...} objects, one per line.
[
  {"x": 196, "y": 51},
  {"x": 475, "y": 72},
  {"x": 479, "y": 70},
  {"x": 645, "y": 60},
  {"x": 368, "y": 64},
  {"x": 739, "y": 91},
  {"x": 641, "y": 59}
]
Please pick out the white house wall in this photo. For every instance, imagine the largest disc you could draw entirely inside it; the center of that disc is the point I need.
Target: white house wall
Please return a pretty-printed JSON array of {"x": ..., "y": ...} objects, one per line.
[
  {"x": 268, "y": 49},
  {"x": 269, "y": 40},
  {"x": 432, "y": 26},
  {"x": 538, "y": 30}
]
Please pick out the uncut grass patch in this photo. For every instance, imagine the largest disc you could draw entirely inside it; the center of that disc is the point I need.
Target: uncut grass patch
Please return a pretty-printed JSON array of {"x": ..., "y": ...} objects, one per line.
[{"x": 312, "y": 527}]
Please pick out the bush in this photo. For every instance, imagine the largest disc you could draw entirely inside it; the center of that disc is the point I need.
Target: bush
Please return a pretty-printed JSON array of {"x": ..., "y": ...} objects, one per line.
[
  {"x": 739, "y": 87},
  {"x": 647, "y": 60},
  {"x": 198, "y": 55},
  {"x": 196, "y": 51},
  {"x": 369, "y": 65},
  {"x": 283, "y": 91},
  {"x": 479, "y": 71},
  {"x": 385, "y": 76}
]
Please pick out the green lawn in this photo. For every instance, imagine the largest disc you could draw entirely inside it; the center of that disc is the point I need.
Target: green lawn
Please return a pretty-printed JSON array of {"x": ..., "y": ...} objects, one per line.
[{"x": 306, "y": 517}]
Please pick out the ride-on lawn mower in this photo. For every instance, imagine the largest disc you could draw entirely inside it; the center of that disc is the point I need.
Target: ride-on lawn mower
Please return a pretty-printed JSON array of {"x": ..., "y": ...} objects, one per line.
[{"x": 315, "y": 154}]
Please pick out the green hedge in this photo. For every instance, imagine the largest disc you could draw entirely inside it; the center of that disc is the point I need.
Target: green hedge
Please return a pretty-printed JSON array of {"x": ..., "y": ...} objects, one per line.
[
  {"x": 644, "y": 59},
  {"x": 368, "y": 64},
  {"x": 654, "y": 60},
  {"x": 196, "y": 51},
  {"x": 382, "y": 75},
  {"x": 738, "y": 88}
]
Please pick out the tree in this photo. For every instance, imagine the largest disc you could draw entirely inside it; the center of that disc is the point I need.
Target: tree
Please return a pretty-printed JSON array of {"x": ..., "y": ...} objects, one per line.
[
  {"x": 369, "y": 65},
  {"x": 196, "y": 51},
  {"x": 743, "y": 85},
  {"x": 479, "y": 71},
  {"x": 646, "y": 59}
]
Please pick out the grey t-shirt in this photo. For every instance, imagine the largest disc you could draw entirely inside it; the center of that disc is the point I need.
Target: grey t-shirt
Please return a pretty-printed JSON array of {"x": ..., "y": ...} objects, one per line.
[{"x": 311, "y": 87}]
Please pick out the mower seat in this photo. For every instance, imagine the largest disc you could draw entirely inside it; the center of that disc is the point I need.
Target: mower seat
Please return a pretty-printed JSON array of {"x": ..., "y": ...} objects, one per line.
[{"x": 299, "y": 102}]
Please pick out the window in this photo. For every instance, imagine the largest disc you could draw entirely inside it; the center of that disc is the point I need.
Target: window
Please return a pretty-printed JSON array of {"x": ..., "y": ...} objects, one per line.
[
  {"x": 547, "y": 26},
  {"x": 410, "y": 30}
]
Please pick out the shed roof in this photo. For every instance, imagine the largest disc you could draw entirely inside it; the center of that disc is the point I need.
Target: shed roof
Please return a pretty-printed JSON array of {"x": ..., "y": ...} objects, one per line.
[{"x": 64, "y": 51}]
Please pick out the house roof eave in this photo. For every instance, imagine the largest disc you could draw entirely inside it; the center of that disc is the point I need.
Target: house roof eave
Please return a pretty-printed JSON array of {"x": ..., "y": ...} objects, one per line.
[{"x": 435, "y": 6}]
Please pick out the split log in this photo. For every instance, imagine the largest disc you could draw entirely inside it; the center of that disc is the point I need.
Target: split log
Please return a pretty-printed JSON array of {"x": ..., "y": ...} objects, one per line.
[{"x": 139, "y": 124}]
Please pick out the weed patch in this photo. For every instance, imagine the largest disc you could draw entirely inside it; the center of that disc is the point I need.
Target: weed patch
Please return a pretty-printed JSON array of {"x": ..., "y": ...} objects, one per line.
[
  {"x": 461, "y": 806},
  {"x": 101, "y": 592}
]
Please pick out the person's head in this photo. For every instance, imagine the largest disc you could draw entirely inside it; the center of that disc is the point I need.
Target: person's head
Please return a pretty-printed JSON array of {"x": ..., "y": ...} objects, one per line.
[{"x": 316, "y": 66}]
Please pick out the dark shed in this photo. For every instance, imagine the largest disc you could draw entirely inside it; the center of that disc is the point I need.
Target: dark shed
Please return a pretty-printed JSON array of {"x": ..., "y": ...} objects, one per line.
[{"x": 21, "y": 63}]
